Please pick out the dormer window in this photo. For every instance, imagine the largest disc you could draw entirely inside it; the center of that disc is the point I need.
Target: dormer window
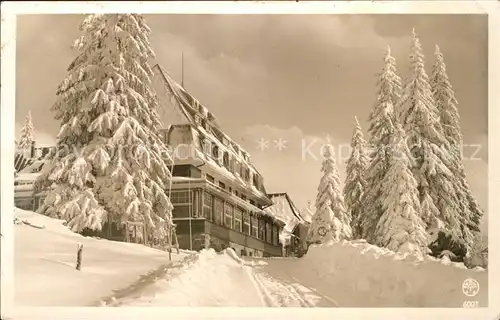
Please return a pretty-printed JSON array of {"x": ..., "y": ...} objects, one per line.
[
  {"x": 215, "y": 151},
  {"x": 256, "y": 180},
  {"x": 204, "y": 123},
  {"x": 242, "y": 170},
  {"x": 206, "y": 146},
  {"x": 225, "y": 160},
  {"x": 231, "y": 164},
  {"x": 237, "y": 167},
  {"x": 201, "y": 142},
  {"x": 246, "y": 175}
]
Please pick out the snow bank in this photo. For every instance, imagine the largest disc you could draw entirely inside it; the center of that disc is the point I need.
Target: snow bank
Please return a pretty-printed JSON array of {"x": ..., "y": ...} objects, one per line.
[
  {"x": 358, "y": 274},
  {"x": 45, "y": 260}
]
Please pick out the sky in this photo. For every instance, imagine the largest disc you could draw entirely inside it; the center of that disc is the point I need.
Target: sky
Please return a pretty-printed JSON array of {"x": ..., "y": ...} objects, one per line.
[{"x": 300, "y": 78}]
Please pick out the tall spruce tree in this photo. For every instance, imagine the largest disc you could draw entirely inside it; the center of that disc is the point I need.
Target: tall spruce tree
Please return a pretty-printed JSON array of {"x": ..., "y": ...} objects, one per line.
[
  {"x": 429, "y": 147},
  {"x": 111, "y": 163},
  {"x": 400, "y": 227},
  {"x": 331, "y": 218},
  {"x": 27, "y": 134},
  {"x": 450, "y": 120},
  {"x": 382, "y": 125},
  {"x": 355, "y": 183}
]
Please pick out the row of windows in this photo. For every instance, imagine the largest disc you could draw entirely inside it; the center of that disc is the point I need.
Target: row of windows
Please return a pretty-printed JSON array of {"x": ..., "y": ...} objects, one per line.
[
  {"x": 233, "y": 165},
  {"x": 223, "y": 213},
  {"x": 236, "y": 193}
]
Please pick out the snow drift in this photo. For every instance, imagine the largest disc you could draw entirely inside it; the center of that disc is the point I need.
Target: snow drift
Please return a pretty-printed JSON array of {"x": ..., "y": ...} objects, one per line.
[{"x": 357, "y": 274}]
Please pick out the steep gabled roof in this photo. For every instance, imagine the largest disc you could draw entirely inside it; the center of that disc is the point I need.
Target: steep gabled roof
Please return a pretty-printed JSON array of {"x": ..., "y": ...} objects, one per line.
[
  {"x": 179, "y": 107},
  {"x": 293, "y": 207},
  {"x": 285, "y": 210},
  {"x": 188, "y": 106}
]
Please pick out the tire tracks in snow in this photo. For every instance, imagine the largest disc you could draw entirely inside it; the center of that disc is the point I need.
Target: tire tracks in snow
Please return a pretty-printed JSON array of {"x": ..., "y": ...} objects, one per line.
[
  {"x": 276, "y": 293},
  {"x": 336, "y": 304}
]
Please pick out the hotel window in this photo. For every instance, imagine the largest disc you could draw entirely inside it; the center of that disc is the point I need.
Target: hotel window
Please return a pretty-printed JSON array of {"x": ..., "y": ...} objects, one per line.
[
  {"x": 247, "y": 175},
  {"x": 255, "y": 226},
  {"x": 246, "y": 223},
  {"x": 237, "y": 167},
  {"x": 225, "y": 159},
  {"x": 231, "y": 165},
  {"x": 275, "y": 235},
  {"x": 228, "y": 215},
  {"x": 219, "y": 211},
  {"x": 210, "y": 178},
  {"x": 208, "y": 202},
  {"x": 269, "y": 232},
  {"x": 180, "y": 197},
  {"x": 201, "y": 142},
  {"x": 215, "y": 152},
  {"x": 222, "y": 185},
  {"x": 206, "y": 146},
  {"x": 256, "y": 180},
  {"x": 262, "y": 229},
  {"x": 182, "y": 202},
  {"x": 238, "y": 216}
]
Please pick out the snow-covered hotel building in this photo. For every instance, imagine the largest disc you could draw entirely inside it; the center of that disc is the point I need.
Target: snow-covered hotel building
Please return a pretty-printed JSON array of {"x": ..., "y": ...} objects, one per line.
[{"x": 218, "y": 195}]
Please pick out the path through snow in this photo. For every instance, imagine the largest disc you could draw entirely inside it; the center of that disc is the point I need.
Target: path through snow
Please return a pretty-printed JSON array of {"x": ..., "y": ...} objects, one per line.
[{"x": 210, "y": 279}]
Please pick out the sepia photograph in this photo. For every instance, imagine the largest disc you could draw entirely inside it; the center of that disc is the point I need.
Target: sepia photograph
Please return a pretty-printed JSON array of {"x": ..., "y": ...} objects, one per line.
[{"x": 249, "y": 160}]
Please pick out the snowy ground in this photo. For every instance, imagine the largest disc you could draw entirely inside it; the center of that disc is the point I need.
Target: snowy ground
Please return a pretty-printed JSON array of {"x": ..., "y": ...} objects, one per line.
[
  {"x": 353, "y": 274},
  {"x": 45, "y": 260},
  {"x": 350, "y": 274}
]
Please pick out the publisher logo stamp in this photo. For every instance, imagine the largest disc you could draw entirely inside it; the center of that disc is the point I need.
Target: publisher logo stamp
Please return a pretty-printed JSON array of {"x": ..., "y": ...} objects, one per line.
[{"x": 470, "y": 287}]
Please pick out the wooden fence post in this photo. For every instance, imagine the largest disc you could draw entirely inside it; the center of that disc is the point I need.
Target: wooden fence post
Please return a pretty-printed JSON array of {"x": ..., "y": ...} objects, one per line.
[{"x": 79, "y": 257}]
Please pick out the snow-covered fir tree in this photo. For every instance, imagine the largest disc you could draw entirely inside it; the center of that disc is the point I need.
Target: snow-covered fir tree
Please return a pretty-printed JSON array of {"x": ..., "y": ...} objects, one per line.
[
  {"x": 27, "y": 134},
  {"x": 325, "y": 226},
  {"x": 429, "y": 147},
  {"x": 355, "y": 182},
  {"x": 382, "y": 122},
  {"x": 330, "y": 203},
  {"x": 111, "y": 163},
  {"x": 400, "y": 227},
  {"x": 446, "y": 104}
]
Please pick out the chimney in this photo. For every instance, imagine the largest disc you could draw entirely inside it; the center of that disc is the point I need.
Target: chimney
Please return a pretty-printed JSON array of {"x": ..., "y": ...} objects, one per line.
[{"x": 32, "y": 155}]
